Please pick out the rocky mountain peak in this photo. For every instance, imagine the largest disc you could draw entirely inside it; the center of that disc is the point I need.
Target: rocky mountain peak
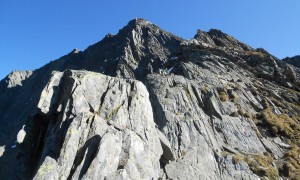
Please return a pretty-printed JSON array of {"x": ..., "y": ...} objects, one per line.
[
  {"x": 217, "y": 33},
  {"x": 146, "y": 104},
  {"x": 204, "y": 38},
  {"x": 139, "y": 25},
  {"x": 139, "y": 22},
  {"x": 295, "y": 61},
  {"x": 138, "y": 49},
  {"x": 224, "y": 40}
]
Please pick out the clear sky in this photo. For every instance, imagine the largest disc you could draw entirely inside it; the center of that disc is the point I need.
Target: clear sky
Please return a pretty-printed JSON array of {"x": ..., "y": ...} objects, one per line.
[{"x": 35, "y": 32}]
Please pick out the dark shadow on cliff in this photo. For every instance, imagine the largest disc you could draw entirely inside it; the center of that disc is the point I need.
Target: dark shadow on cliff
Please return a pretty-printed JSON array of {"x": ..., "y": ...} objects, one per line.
[
  {"x": 91, "y": 146},
  {"x": 158, "y": 112},
  {"x": 19, "y": 107}
]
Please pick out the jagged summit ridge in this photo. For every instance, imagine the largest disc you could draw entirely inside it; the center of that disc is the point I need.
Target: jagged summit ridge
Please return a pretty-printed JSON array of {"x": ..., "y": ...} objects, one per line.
[
  {"x": 215, "y": 37},
  {"x": 139, "y": 22},
  {"x": 139, "y": 42},
  {"x": 207, "y": 108},
  {"x": 295, "y": 61}
]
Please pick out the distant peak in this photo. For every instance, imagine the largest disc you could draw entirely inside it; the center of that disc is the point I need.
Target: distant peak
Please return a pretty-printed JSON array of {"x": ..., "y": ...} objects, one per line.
[
  {"x": 224, "y": 40},
  {"x": 295, "y": 61},
  {"x": 216, "y": 32},
  {"x": 203, "y": 37},
  {"x": 200, "y": 33},
  {"x": 139, "y": 22}
]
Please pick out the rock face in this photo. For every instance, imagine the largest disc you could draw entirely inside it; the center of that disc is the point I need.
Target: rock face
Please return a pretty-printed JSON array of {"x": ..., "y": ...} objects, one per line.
[
  {"x": 146, "y": 104},
  {"x": 107, "y": 128}
]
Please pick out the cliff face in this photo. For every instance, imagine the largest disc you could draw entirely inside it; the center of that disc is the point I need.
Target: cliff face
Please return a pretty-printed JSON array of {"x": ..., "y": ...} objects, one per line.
[{"x": 146, "y": 104}]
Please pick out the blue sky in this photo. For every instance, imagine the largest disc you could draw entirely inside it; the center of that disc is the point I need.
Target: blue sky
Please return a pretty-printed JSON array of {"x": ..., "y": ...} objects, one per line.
[{"x": 35, "y": 32}]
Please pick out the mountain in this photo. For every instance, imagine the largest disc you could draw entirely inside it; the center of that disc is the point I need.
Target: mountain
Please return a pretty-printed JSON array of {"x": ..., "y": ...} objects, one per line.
[
  {"x": 146, "y": 104},
  {"x": 293, "y": 60}
]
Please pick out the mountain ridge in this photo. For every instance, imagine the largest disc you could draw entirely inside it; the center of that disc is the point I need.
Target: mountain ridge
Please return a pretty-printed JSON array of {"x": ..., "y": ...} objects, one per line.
[
  {"x": 295, "y": 60},
  {"x": 212, "y": 99}
]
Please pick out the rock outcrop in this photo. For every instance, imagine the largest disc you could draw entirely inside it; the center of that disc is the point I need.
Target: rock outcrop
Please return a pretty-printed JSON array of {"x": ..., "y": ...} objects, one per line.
[
  {"x": 146, "y": 104},
  {"x": 97, "y": 130}
]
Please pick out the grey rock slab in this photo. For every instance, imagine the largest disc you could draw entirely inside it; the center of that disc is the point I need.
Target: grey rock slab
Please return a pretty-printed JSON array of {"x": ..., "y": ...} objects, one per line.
[
  {"x": 105, "y": 125},
  {"x": 272, "y": 147},
  {"x": 16, "y": 77},
  {"x": 191, "y": 129}
]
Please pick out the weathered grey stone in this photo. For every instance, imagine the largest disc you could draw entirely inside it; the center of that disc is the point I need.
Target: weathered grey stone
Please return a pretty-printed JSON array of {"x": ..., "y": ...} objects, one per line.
[
  {"x": 109, "y": 127},
  {"x": 2, "y": 150},
  {"x": 272, "y": 147},
  {"x": 167, "y": 150},
  {"x": 208, "y": 101},
  {"x": 188, "y": 128},
  {"x": 16, "y": 77},
  {"x": 21, "y": 135}
]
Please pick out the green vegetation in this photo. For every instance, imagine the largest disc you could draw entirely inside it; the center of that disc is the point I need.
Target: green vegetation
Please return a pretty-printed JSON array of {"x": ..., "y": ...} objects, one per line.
[
  {"x": 233, "y": 96},
  {"x": 238, "y": 87},
  {"x": 265, "y": 103},
  {"x": 187, "y": 93},
  {"x": 237, "y": 158},
  {"x": 113, "y": 111},
  {"x": 204, "y": 89},
  {"x": 262, "y": 166},
  {"x": 285, "y": 125},
  {"x": 223, "y": 96},
  {"x": 241, "y": 111},
  {"x": 255, "y": 53},
  {"x": 280, "y": 124},
  {"x": 291, "y": 168},
  {"x": 248, "y": 115},
  {"x": 183, "y": 152},
  {"x": 98, "y": 111}
]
